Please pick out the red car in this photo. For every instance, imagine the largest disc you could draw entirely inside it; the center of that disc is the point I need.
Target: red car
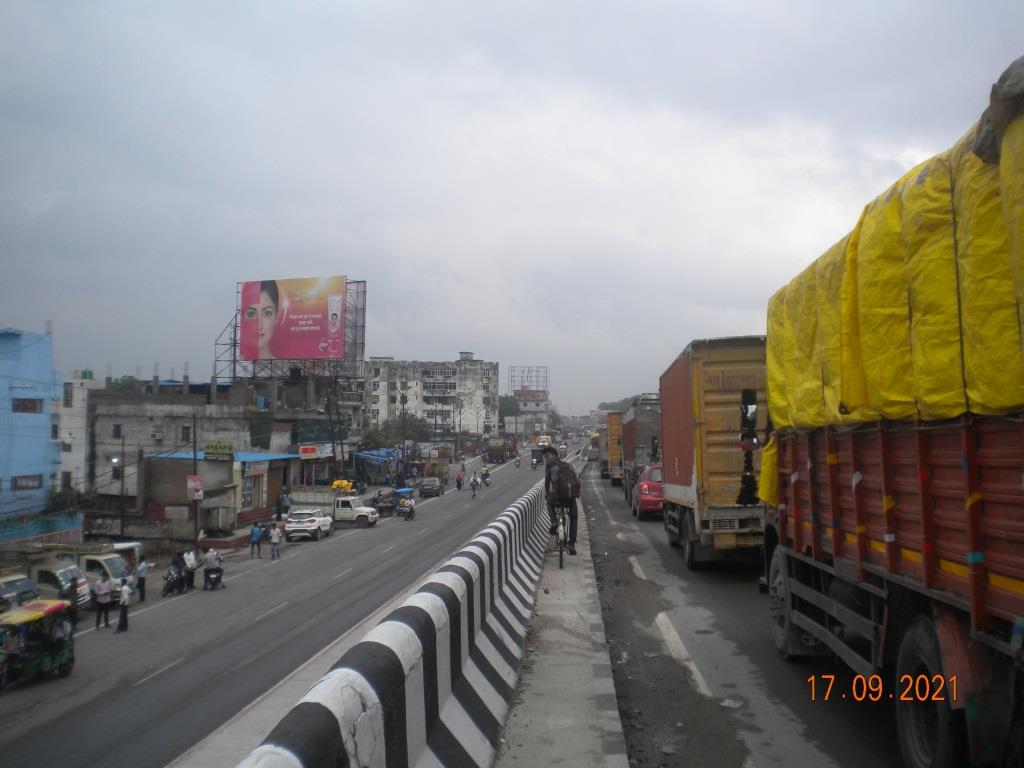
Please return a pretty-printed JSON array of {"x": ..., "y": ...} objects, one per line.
[{"x": 647, "y": 492}]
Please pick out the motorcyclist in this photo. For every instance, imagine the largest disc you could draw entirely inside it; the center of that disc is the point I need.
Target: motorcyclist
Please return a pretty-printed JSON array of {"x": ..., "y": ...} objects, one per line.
[
  {"x": 517, "y": 462},
  {"x": 485, "y": 475},
  {"x": 212, "y": 561}
]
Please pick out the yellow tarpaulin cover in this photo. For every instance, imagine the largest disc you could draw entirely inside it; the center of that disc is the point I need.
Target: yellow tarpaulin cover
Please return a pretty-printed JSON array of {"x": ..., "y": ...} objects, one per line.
[
  {"x": 917, "y": 312},
  {"x": 768, "y": 484}
]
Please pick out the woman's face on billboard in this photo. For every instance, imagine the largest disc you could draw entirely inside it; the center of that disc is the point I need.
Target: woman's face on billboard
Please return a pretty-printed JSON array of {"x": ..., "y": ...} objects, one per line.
[{"x": 265, "y": 313}]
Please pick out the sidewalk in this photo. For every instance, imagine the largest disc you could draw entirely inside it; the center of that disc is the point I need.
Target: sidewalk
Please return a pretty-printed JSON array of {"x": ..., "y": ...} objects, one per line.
[{"x": 565, "y": 712}]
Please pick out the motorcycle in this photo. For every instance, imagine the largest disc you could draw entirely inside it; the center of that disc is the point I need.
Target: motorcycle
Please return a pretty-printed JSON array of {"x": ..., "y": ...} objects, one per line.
[
  {"x": 216, "y": 577},
  {"x": 174, "y": 581},
  {"x": 487, "y": 480},
  {"x": 533, "y": 463},
  {"x": 517, "y": 462}
]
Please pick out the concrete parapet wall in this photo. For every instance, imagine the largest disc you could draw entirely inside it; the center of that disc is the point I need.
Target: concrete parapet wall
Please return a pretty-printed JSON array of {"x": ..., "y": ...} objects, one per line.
[{"x": 432, "y": 683}]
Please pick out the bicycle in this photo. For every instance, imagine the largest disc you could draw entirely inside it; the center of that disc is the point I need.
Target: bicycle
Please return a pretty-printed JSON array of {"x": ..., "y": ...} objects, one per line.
[{"x": 562, "y": 534}]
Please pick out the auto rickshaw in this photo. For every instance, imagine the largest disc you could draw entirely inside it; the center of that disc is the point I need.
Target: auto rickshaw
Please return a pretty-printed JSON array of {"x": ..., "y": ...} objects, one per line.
[
  {"x": 406, "y": 502},
  {"x": 36, "y": 638}
]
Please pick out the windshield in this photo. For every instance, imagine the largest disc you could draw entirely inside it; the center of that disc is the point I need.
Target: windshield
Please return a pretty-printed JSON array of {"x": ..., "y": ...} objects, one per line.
[
  {"x": 655, "y": 475},
  {"x": 23, "y": 587},
  {"x": 118, "y": 568},
  {"x": 68, "y": 576}
]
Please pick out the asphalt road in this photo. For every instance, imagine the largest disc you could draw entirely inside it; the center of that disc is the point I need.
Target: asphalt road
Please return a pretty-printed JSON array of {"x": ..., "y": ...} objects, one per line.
[
  {"x": 667, "y": 626},
  {"x": 190, "y": 663}
]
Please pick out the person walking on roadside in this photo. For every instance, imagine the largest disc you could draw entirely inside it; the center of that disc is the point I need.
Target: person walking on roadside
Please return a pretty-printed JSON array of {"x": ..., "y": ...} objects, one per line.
[
  {"x": 279, "y": 507},
  {"x": 255, "y": 534},
  {"x": 191, "y": 562},
  {"x": 275, "y": 543},
  {"x": 286, "y": 505},
  {"x": 561, "y": 489},
  {"x": 102, "y": 592},
  {"x": 141, "y": 571},
  {"x": 125, "y": 601}
]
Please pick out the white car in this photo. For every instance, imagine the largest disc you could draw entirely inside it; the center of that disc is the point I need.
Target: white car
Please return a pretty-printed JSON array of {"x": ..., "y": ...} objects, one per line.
[{"x": 312, "y": 523}]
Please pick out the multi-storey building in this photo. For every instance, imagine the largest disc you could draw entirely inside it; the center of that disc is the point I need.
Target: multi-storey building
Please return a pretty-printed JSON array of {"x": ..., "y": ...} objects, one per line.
[
  {"x": 75, "y": 437},
  {"x": 459, "y": 395},
  {"x": 29, "y": 440}
]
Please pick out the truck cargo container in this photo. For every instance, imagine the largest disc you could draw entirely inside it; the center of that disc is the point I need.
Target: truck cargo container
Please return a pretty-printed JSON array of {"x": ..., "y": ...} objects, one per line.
[
  {"x": 702, "y": 460},
  {"x": 641, "y": 427},
  {"x": 896, "y": 502},
  {"x": 615, "y": 447},
  {"x": 602, "y": 448}
]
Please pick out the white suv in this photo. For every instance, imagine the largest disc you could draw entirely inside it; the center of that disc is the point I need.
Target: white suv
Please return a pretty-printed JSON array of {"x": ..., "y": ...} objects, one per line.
[{"x": 307, "y": 522}]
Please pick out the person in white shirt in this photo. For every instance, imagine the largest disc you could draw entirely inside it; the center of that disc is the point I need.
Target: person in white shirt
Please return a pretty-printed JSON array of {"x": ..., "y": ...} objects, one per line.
[
  {"x": 126, "y": 599},
  {"x": 102, "y": 592},
  {"x": 275, "y": 543}
]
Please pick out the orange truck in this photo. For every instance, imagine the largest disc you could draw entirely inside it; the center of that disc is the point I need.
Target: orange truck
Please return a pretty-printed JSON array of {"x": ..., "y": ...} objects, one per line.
[
  {"x": 702, "y": 460},
  {"x": 894, "y": 482}
]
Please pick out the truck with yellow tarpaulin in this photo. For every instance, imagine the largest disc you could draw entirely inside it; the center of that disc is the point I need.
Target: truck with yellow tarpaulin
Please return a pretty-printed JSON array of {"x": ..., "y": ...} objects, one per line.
[{"x": 894, "y": 480}]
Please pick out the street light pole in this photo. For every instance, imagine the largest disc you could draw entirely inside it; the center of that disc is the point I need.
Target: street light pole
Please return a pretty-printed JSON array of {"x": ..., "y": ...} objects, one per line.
[
  {"x": 121, "y": 462},
  {"x": 195, "y": 471}
]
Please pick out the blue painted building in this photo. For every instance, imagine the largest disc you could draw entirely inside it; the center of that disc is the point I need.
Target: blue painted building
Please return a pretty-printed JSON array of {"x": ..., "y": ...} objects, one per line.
[{"x": 29, "y": 439}]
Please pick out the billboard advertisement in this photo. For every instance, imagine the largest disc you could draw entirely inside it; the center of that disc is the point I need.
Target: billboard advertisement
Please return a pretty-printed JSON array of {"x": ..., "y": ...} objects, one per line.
[{"x": 295, "y": 319}]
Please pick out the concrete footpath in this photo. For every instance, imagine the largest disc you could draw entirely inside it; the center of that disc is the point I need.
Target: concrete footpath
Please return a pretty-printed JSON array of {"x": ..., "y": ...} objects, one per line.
[{"x": 565, "y": 712}]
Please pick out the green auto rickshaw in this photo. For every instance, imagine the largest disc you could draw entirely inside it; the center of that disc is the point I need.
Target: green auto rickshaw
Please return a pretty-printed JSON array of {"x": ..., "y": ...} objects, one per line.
[{"x": 36, "y": 639}]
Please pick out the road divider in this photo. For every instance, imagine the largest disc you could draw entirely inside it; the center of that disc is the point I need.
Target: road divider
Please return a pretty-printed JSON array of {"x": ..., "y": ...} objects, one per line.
[{"x": 432, "y": 683}]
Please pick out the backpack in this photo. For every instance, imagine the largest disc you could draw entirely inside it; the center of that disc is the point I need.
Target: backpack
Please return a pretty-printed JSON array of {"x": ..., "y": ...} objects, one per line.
[{"x": 567, "y": 486}]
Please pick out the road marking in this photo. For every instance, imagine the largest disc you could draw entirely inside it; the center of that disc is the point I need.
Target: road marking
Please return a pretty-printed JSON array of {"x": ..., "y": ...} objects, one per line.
[
  {"x": 341, "y": 574},
  {"x": 275, "y": 609},
  {"x": 387, "y": 549},
  {"x": 425, "y": 529},
  {"x": 679, "y": 652},
  {"x": 636, "y": 567},
  {"x": 162, "y": 669}
]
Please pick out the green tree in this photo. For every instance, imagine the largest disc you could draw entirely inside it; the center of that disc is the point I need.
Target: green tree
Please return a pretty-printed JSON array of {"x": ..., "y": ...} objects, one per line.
[
  {"x": 617, "y": 405},
  {"x": 415, "y": 428},
  {"x": 124, "y": 384},
  {"x": 373, "y": 437},
  {"x": 507, "y": 406}
]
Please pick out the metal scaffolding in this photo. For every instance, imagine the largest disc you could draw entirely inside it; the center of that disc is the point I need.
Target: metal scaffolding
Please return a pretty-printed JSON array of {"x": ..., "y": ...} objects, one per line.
[{"x": 533, "y": 378}]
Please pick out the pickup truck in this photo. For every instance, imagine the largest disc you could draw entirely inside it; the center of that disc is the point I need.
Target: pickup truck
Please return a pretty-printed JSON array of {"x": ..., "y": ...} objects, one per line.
[
  {"x": 343, "y": 507},
  {"x": 95, "y": 560}
]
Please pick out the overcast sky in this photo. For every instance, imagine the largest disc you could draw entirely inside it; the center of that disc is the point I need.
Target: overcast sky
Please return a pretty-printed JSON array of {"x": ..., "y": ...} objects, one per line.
[{"x": 583, "y": 185}]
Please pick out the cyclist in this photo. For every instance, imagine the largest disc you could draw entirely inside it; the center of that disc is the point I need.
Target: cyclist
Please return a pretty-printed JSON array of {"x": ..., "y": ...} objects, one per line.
[
  {"x": 560, "y": 494},
  {"x": 474, "y": 485}
]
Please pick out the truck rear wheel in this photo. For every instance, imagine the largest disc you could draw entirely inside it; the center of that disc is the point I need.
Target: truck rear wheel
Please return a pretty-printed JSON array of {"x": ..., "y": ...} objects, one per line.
[
  {"x": 929, "y": 732},
  {"x": 784, "y": 634}
]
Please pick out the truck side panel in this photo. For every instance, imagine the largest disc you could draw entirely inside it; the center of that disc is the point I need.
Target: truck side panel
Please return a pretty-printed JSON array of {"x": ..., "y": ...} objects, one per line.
[
  {"x": 942, "y": 507},
  {"x": 677, "y": 443},
  {"x": 615, "y": 447}
]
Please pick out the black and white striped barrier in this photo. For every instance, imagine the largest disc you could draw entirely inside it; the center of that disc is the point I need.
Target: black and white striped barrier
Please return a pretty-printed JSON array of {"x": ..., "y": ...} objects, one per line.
[{"x": 432, "y": 683}]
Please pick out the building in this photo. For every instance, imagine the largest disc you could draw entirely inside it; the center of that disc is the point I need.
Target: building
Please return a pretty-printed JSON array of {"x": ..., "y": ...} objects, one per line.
[
  {"x": 29, "y": 441},
  {"x": 75, "y": 437},
  {"x": 460, "y": 395},
  {"x": 159, "y": 418}
]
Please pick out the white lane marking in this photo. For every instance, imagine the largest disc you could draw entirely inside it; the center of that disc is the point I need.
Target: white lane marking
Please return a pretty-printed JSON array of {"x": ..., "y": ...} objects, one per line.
[
  {"x": 275, "y": 609},
  {"x": 679, "y": 652},
  {"x": 162, "y": 669},
  {"x": 424, "y": 530},
  {"x": 347, "y": 570},
  {"x": 387, "y": 549},
  {"x": 635, "y": 564}
]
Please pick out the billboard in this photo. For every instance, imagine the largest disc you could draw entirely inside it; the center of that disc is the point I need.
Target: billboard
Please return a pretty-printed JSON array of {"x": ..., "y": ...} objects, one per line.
[{"x": 295, "y": 319}]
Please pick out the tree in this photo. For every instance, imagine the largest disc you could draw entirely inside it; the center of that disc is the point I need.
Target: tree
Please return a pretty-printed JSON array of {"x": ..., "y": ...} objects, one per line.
[
  {"x": 416, "y": 428},
  {"x": 507, "y": 406},
  {"x": 556, "y": 421},
  {"x": 125, "y": 384},
  {"x": 373, "y": 437},
  {"x": 617, "y": 405}
]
